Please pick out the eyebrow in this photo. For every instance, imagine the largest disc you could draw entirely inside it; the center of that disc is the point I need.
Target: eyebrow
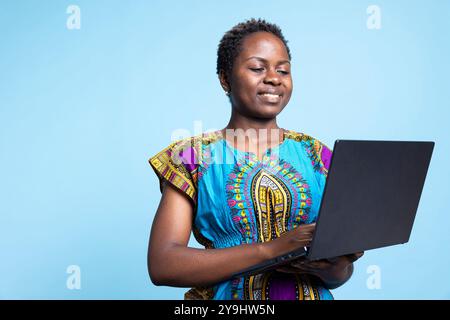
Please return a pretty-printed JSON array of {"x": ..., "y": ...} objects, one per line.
[{"x": 264, "y": 60}]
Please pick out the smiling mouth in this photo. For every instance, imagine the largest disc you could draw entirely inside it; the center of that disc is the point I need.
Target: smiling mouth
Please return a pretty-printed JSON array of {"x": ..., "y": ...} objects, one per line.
[{"x": 270, "y": 97}]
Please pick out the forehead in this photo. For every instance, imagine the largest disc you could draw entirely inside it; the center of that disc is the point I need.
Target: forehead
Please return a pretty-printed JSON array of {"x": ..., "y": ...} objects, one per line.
[{"x": 263, "y": 44}]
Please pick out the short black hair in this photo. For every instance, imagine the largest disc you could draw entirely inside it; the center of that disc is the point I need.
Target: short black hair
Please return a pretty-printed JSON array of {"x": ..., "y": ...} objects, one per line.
[{"x": 230, "y": 45}]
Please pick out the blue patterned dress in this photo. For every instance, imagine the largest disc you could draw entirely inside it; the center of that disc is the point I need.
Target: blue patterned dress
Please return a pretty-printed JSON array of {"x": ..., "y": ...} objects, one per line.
[{"x": 239, "y": 199}]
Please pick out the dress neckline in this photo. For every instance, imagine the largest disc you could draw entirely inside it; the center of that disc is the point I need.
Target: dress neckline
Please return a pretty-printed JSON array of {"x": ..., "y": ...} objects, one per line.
[{"x": 251, "y": 154}]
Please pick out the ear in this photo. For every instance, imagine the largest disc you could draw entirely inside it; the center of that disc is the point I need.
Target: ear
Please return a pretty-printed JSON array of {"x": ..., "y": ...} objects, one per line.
[{"x": 224, "y": 81}]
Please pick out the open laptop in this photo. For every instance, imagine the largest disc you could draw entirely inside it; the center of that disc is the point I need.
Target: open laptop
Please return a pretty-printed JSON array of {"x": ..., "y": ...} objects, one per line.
[{"x": 370, "y": 200}]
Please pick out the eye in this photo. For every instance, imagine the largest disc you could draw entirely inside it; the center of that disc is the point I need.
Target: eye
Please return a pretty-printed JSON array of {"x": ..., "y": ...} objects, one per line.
[
  {"x": 257, "y": 69},
  {"x": 283, "y": 72}
]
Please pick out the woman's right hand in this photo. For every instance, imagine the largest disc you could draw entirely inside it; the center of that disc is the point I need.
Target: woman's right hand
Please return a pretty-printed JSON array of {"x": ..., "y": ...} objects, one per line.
[{"x": 296, "y": 238}]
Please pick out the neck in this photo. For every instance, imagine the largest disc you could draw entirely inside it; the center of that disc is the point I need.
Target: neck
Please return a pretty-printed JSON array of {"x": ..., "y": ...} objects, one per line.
[{"x": 238, "y": 121}]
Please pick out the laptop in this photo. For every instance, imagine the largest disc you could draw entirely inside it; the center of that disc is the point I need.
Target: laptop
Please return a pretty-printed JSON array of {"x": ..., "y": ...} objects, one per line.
[{"x": 370, "y": 200}]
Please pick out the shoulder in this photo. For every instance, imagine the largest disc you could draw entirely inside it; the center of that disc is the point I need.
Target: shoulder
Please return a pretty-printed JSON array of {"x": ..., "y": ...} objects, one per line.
[
  {"x": 319, "y": 153},
  {"x": 315, "y": 143},
  {"x": 178, "y": 162},
  {"x": 184, "y": 153}
]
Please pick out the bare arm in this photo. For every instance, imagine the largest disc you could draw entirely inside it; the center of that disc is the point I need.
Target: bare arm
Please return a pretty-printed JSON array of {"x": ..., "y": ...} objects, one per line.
[{"x": 172, "y": 263}]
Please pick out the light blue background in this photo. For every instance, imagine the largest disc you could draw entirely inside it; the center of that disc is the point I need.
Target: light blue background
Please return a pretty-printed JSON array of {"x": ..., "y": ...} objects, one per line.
[{"x": 81, "y": 111}]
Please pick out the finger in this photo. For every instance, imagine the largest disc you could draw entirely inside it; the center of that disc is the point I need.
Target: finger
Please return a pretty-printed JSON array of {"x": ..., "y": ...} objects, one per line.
[
  {"x": 303, "y": 236},
  {"x": 303, "y": 239},
  {"x": 355, "y": 256},
  {"x": 319, "y": 264},
  {"x": 299, "y": 259},
  {"x": 305, "y": 229},
  {"x": 310, "y": 226},
  {"x": 288, "y": 269},
  {"x": 301, "y": 267},
  {"x": 294, "y": 269},
  {"x": 298, "y": 264},
  {"x": 304, "y": 232}
]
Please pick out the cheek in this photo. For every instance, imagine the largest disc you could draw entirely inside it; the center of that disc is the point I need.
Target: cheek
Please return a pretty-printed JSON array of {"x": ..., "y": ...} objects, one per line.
[
  {"x": 289, "y": 83},
  {"x": 289, "y": 88},
  {"x": 247, "y": 87},
  {"x": 244, "y": 78},
  {"x": 250, "y": 82}
]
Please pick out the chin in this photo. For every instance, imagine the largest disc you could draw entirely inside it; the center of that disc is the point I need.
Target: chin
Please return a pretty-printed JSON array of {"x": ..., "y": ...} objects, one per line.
[
  {"x": 269, "y": 111},
  {"x": 268, "y": 114}
]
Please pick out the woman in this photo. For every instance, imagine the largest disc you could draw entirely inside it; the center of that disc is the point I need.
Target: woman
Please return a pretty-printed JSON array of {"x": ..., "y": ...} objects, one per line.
[{"x": 249, "y": 192}]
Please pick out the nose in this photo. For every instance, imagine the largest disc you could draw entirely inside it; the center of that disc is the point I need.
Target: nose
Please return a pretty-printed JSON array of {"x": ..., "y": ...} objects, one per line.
[{"x": 272, "y": 77}]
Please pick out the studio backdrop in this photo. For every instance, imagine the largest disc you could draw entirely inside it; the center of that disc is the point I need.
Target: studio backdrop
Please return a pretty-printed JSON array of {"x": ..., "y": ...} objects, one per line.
[{"x": 89, "y": 90}]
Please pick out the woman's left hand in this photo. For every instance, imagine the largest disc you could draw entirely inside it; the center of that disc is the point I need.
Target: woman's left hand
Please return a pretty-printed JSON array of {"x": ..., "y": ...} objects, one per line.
[{"x": 331, "y": 271}]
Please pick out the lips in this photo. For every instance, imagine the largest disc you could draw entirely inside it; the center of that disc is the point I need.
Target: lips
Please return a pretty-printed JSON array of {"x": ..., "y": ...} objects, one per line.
[
  {"x": 270, "y": 96},
  {"x": 271, "y": 92}
]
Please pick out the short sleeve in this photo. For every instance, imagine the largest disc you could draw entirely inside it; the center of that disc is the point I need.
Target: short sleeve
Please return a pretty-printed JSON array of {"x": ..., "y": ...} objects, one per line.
[
  {"x": 322, "y": 155},
  {"x": 176, "y": 165}
]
